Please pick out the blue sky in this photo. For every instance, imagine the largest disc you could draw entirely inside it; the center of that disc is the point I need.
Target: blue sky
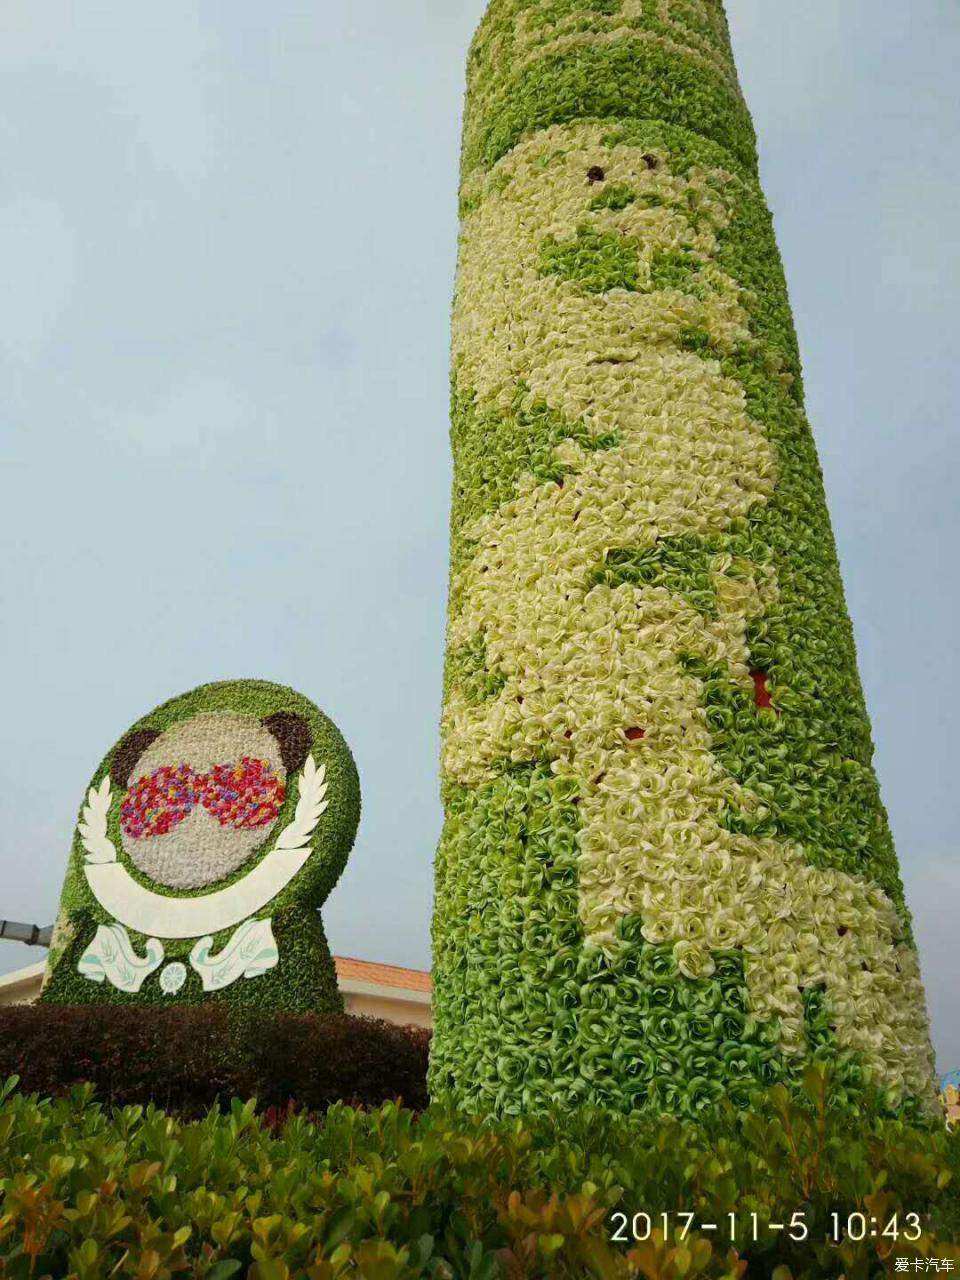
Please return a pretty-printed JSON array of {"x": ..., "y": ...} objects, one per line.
[{"x": 227, "y": 239}]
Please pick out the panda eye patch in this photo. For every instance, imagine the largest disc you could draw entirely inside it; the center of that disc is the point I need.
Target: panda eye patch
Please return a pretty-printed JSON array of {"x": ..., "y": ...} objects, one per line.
[
  {"x": 158, "y": 801},
  {"x": 244, "y": 796}
]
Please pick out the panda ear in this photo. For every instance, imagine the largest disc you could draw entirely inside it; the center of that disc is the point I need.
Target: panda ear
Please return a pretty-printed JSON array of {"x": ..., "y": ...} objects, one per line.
[
  {"x": 128, "y": 753},
  {"x": 294, "y": 738}
]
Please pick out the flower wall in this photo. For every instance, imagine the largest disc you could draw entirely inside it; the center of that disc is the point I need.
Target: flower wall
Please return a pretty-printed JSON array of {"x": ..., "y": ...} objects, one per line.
[{"x": 666, "y": 874}]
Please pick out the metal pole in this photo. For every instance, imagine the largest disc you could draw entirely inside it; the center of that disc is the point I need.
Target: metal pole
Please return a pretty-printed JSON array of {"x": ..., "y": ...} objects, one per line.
[{"x": 31, "y": 934}]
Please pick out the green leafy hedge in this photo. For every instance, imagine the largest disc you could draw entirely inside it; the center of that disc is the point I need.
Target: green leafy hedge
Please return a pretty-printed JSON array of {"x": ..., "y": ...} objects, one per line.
[
  {"x": 185, "y": 1058},
  {"x": 389, "y": 1195}
]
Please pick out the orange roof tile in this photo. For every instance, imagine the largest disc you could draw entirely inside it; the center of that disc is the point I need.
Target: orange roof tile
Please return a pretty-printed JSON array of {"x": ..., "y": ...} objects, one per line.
[{"x": 386, "y": 975}]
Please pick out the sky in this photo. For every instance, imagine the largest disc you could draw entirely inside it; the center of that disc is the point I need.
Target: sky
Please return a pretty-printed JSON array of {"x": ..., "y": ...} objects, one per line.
[{"x": 227, "y": 246}]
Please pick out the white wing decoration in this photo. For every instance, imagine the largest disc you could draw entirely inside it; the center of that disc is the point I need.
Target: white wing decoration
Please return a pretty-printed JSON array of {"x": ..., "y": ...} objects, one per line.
[
  {"x": 251, "y": 952},
  {"x": 312, "y": 802},
  {"x": 93, "y": 825},
  {"x": 111, "y": 956}
]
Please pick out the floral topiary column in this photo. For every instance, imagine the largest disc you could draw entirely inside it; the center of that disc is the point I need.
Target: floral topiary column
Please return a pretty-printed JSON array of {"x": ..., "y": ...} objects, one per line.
[{"x": 666, "y": 875}]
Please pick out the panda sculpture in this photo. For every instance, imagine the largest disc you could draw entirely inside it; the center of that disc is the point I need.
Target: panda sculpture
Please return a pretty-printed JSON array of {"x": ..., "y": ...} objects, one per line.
[{"x": 208, "y": 840}]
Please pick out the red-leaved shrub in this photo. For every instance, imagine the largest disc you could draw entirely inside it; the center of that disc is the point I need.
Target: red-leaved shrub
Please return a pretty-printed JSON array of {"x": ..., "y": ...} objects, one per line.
[{"x": 184, "y": 1058}]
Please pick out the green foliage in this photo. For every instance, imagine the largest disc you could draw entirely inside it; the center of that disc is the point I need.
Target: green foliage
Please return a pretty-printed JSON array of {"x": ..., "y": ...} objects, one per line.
[
  {"x": 596, "y": 261},
  {"x": 778, "y": 756},
  {"x": 675, "y": 271},
  {"x": 469, "y": 671},
  {"x": 511, "y": 94},
  {"x": 88, "y": 1192},
  {"x": 557, "y": 9},
  {"x": 493, "y": 450},
  {"x": 617, "y": 195},
  {"x": 526, "y": 1018},
  {"x": 682, "y": 565}
]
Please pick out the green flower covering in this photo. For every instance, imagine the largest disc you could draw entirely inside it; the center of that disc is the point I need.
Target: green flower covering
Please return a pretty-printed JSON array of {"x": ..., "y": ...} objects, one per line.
[
  {"x": 666, "y": 874},
  {"x": 209, "y": 838}
]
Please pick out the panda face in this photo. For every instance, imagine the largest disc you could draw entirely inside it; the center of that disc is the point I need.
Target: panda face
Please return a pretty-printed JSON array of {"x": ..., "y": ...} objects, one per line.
[{"x": 202, "y": 798}]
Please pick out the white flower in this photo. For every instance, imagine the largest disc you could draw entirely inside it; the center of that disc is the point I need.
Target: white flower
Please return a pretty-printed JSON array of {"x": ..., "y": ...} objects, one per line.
[{"x": 172, "y": 978}]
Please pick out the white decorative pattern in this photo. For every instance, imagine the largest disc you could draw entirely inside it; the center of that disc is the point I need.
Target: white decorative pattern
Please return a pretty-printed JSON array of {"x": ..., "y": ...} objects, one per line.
[
  {"x": 166, "y": 917},
  {"x": 111, "y": 956},
  {"x": 93, "y": 826},
  {"x": 313, "y": 792},
  {"x": 172, "y": 978},
  {"x": 251, "y": 952}
]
